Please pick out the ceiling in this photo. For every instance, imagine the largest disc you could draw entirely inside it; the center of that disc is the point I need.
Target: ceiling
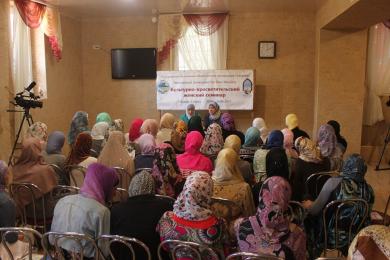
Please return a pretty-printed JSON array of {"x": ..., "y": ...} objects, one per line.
[{"x": 109, "y": 8}]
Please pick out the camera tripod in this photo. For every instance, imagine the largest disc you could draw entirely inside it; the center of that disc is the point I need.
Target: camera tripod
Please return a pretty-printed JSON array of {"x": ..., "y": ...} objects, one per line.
[
  {"x": 26, "y": 116},
  {"x": 387, "y": 140}
]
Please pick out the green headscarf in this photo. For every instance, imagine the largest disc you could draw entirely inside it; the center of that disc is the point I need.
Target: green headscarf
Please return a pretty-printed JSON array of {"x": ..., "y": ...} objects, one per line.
[{"x": 104, "y": 117}]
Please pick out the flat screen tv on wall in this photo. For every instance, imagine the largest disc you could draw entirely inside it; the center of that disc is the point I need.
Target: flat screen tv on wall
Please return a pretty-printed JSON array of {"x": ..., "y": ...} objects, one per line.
[{"x": 134, "y": 63}]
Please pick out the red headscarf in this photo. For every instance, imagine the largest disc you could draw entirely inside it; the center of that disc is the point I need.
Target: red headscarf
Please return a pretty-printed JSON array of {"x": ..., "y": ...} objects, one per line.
[
  {"x": 81, "y": 149},
  {"x": 134, "y": 131}
]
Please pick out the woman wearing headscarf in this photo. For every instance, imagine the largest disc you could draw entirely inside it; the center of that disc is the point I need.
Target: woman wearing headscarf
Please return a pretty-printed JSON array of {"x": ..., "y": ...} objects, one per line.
[
  {"x": 229, "y": 127},
  {"x": 80, "y": 154},
  {"x": 275, "y": 139},
  {"x": 178, "y": 137},
  {"x": 327, "y": 143},
  {"x": 86, "y": 212},
  {"x": 288, "y": 143},
  {"x": 192, "y": 159},
  {"x": 349, "y": 185},
  {"x": 259, "y": 123},
  {"x": 292, "y": 124},
  {"x": 252, "y": 142},
  {"x": 99, "y": 135},
  {"x": 229, "y": 184},
  {"x": 114, "y": 154},
  {"x": 7, "y": 205},
  {"x": 149, "y": 126},
  {"x": 139, "y": 215},
  {"x": 341, "y": 142},
  {"x": 166, "y": 128},
  {"x": 31, "y": 168},
  {"x": 133, "y": 134},
  {"x": 308, "y": 162},
  {"x": 190, "y": 112},
  {"x": 117, "y": 125},
  {"x": 145, "y": 159},
  {"x": 104, "y": 117},
  {"x": 270, "y": 230},
  {"x": 38, "y": 130},
  {"x": 166, "y": 173},
  {"x": 53, "y": 155},
  {"x": 192, "y": 218},
  {"x": 79, "y": 124},
  {"x": 213, "y": 141},
  {"x": 195, "y": 124},
  {"x": 234, "y": 142},
  {"x": 214, "y": 115}
]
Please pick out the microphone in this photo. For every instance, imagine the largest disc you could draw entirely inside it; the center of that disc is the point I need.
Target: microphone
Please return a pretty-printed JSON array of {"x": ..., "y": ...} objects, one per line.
[{"x": 31, "y": 86}]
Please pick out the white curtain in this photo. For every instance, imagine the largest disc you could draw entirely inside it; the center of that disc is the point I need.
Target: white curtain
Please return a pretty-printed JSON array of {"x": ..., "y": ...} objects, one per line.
[{"x": 378, "y": 72}]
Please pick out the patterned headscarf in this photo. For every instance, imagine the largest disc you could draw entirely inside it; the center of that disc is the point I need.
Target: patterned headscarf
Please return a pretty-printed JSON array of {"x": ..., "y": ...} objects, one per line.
[
  {"x": 307, "y": 150},
  {"x": 275, "y": 139},
  {"x": 147, "y": 143},
  {"x": 252, "y": 137},
  {"x": 354, "y": 168},
  {"x": 141, "y": 184},
  {"x": 289, "y": 142},
  {"x": 276, "y": 163},
  {"x": 37, "y": 130},
  {"x": 100, "y": 131},
  {"x": 117, "y": 125},
  {"x": 55, "y": 142},
  {"x": 79, "y": 124},
  {"x": 3, "y": 175},
  {"x": 167, "y": 121},
  {"x": 259, "y": 123},
  {"x": 234, "y": 142},
  {"x": 213, "y": 142},
  {"x": 291, "y": 121},
  {"x": 99, "y": 183},
  {"x": 149, "y": 126},
  {"x": 135, "y": 129},
  {"x": 195, "y": 124},
  {"x": 166, "y": 173},
  {"x": 227, "y": 122},
  {"x": 194, "y": 202},
  {"x": 226, "y": 170},
  {"x": 326, "y": 140},
  {"x": 179, "y": 135},
  {"x": 81, "y": 149},
  {"x": 104, "y": 117}
]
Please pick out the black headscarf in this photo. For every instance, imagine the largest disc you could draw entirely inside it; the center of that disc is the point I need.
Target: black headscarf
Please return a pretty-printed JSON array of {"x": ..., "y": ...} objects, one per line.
[
  {"x": 276, "y": 163},
  {"x": 195, "y": 124},
  {"x": 336, "y": 127}
]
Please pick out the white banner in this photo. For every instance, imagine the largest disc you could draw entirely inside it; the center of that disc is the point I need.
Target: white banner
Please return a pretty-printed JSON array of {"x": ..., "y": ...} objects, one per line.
[{"x": 231, "y": 89}]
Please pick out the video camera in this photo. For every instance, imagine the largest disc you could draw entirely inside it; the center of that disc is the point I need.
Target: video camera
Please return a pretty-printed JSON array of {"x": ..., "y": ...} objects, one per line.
[{"x": 28, "y": 101}]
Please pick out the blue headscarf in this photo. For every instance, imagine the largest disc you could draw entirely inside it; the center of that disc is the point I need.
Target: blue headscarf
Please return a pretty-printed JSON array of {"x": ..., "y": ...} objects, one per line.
[
  {"x": 354, "y": 168},
  {"x": 55, "y": 142},
  {"x": 275, "y": 139},
  {"x": 79, "y": 124},
  {"x": 252, "y": 137}
]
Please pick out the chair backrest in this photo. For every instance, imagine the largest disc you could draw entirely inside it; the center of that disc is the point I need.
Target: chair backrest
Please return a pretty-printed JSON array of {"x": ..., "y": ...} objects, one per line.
[
  {"x": 247, "y": 157},
  {"x": 138, "y": 170},
  {"x": 252, "y": 256},
  {"x": 124, "y": 241},
  {"x": 180, "y": 249},
  {"x": 164, "y": 197},
  {"x": 76, "y": 244},
  {"x": 315, "y": 182},
  {"x": 122, "y": 194},
  {"x": 297, "y": 213},
  {"x": 225, "y": 208},
  {"x": 77, "y": 175},
  {"x": 61, "y": 191},
  {"x": 347, "y": 218},
  {"x": 20, "y": 191},
  {"x": 63, "y": 178}
]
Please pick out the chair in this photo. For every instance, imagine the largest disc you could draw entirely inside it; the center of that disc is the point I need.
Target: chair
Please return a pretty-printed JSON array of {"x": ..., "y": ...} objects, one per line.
[
  {"x": 63, "y": 179},
  {"x": 77, "y": 175},
  {"x": 125, "y": 241},
  {"x": 247, "y": 157},
  {"x": 381, "y": 218},
  {"x": 123, "y": 176},
  {"x": 20, "y": 191},
  {"x": 179, "y": 249},
  {"x": 315, "y": 182},
  {"x": 28, "y": 234},
  {"x": 143, "y": 169},
  {"x": 228, "y": 209},
  {"x": 61, "y": 191},
  {"x": 164, "y": 197},
  {"x": 122, "y": 194},
  {"x": 348, "y": 218},
  {"x": 297, "y": 212},
  {"x": 76, "y": 244},
  {"x": 252, "y": 256}
]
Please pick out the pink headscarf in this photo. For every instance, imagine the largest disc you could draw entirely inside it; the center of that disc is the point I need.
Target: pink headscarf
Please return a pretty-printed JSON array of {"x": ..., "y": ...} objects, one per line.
[
  {"x": 135, "y": 127},
  {"x": 192, "y": 159},
  {"x": 289, "y": 143},
  {"x": 147, "y": 144},
  {"x": 99, "y": 182}
]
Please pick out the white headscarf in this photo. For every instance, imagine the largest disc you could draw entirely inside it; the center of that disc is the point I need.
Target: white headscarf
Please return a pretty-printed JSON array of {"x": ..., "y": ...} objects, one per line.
[{"x": 259, "y": 123}]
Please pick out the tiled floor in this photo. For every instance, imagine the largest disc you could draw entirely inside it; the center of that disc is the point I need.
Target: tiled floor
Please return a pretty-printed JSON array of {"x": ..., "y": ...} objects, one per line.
[{"x": 380, "y": 182}]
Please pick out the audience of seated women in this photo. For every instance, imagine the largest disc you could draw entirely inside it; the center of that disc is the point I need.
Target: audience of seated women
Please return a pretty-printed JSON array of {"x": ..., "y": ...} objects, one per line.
[
  {"x": 259, "y": 123},
  {"x": 229, "y": 184},
  {"x": 80, "y": 154},
  {"x": 99, "y": 136},
  {"x": 7, "y": 205},
  {"x": 245, "y": 168},
  {"x": 192, "y": 218},
  {"x": 252, "y": 142},
  {"x": 214, "y": 115},
  {"x": 341, "y": 142},
  {"x": 292, "y": 124},
  {"x": 213, "y": 141},
  {"x": 149, "y": 126},
  {"x": 308, "y": 162},
  {"x": 86, "y": 212},
  {"x": 178, "y": 137},
  {"x": 133, "y": 135},
  {"x": 166, "y": 172},
  {"x": 147, "y": 145},
  {"x": 192, "y": 159},
  {"x": 138, "y": 216},
  {"x": 270, "y": 230},
  {"x": 327, "y": 143},
  {"x": 78, "y": 125},
  {"x": 166, "y": 128},
  {"x": 195, "y": 124},
  {"x": 229, "y": 127}
]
